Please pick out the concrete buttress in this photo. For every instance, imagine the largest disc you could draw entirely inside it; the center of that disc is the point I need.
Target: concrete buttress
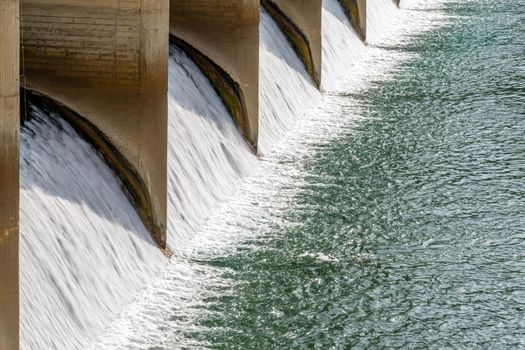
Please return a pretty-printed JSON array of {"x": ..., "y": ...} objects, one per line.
[
  {"x": 9, "y": 173},
  {"x": 222, "y": 37},
  {"x": 356, "y": 13},
  {"x": 106, "y": 62}
]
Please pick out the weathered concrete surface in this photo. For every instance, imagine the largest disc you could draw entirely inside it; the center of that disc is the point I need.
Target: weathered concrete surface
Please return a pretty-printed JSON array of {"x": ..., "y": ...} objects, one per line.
[
  {"x": 226, "y": 32},
  {"x": 300, "y": 21},
  {"x": 107, "y": 60},
  {"x": 356, "y": 12},
  {"x": 9, "y": 165}
]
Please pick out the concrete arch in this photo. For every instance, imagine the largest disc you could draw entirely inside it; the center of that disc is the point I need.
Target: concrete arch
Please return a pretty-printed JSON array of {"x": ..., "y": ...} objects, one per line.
[{"x": 134, "y": 186}]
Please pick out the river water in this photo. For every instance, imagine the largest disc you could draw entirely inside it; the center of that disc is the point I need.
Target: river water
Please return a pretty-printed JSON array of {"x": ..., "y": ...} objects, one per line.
[{"x": 406, "y": 227}]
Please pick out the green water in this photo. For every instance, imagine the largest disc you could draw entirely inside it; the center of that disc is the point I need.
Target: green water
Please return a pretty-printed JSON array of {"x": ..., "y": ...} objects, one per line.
[{"x": 409, "y": 230}]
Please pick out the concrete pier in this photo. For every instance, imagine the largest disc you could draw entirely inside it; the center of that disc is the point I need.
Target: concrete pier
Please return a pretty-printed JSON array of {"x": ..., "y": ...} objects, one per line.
[
  {"x": 300, "y": 21},
  {"x": 107, "y": 62},
  {"x": 222, "y": 37},
  {"x": 356, "y": 12},
  {"x": 9, "y": 173}
]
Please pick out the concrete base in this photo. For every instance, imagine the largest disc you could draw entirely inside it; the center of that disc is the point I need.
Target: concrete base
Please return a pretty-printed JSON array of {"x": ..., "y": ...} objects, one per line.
[
  {"x": 108, "y": 61},
  {"x": 227, "y": 33},
  {"x": 9, "y": 173},
  {"x": 300, "y": 21}
]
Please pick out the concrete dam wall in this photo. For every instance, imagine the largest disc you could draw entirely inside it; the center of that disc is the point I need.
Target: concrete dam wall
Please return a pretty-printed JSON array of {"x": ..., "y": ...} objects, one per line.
[
  {"x": 9, "y": 172},
  {"x": 104, "y": 65}
]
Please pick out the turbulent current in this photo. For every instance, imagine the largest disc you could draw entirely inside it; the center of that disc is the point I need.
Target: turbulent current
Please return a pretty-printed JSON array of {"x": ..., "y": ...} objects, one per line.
[{"x": 387, "y": 212}]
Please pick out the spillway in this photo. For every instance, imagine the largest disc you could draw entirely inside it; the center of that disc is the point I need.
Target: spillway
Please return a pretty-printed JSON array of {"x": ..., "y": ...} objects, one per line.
[
  {"x": 209, "y": 164},
  {"x": 219, "y": 194},
  {"x": 380, "y": 16},
  {"x": 342, "y": 47},
  {"x": 79, "y": 229},
  {"x": 84, "y": 252}
]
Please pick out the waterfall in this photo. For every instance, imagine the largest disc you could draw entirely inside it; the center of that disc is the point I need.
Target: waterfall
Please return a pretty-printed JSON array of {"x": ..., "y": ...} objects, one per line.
[
  {"x": 84, "y": 252},
  {"x": 286, "y": 90},
  {"x": 208, "y": 160},
  {"x": 380, "y": 16},
  {"x": 207, "y": 156},
  {"x": 346, "y": 59},
  {"x": 85, "y": 255},
  {"x": 342, "y": 47}
]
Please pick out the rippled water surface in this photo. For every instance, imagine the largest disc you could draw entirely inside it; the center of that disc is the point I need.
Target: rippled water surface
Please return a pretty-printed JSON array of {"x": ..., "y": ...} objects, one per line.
[{"x": 408, "y": 229}]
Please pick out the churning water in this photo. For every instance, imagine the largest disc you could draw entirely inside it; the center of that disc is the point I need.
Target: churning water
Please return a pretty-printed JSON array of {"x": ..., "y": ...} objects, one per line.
[{"x": 390, "y": 217}]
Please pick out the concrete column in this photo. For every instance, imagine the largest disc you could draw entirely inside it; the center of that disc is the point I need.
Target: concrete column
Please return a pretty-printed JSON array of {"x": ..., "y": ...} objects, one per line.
[
  {"x": 300, "y": 21},
  {"x": 356, "y": 12},
  {"x": 226, "y": 32},
  {"x": 9, "y": 165},
  {"x": 107, "y": 61}
]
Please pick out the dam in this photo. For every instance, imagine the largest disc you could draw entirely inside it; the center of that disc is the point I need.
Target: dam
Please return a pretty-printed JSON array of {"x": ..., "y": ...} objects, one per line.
[{"x": 193, "y": 174}]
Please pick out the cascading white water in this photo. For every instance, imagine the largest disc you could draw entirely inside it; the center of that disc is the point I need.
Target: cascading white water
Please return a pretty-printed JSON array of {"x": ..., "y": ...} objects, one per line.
[
  {"x": 207, "y": 155},
  {"x": 208, "y": 158},
  {"x": 380, "y": 14},
  {"x": 84, "y": 252},
  {"x": 345, "y": 58},
  {"x": 342, "y": 47},
  {"x": 286, "y": 90}
]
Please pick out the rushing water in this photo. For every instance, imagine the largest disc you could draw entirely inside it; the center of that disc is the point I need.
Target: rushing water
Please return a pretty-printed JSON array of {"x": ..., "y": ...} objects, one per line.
[
  {"x": 207, "y": 157},
  {"x": 286, "y": 90},
  {"x": 391, "y": 216},
  {"x": 208, "y": 161},
  {"x": 342, "y": 47},
  {"x": 407, "y": 228}
]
